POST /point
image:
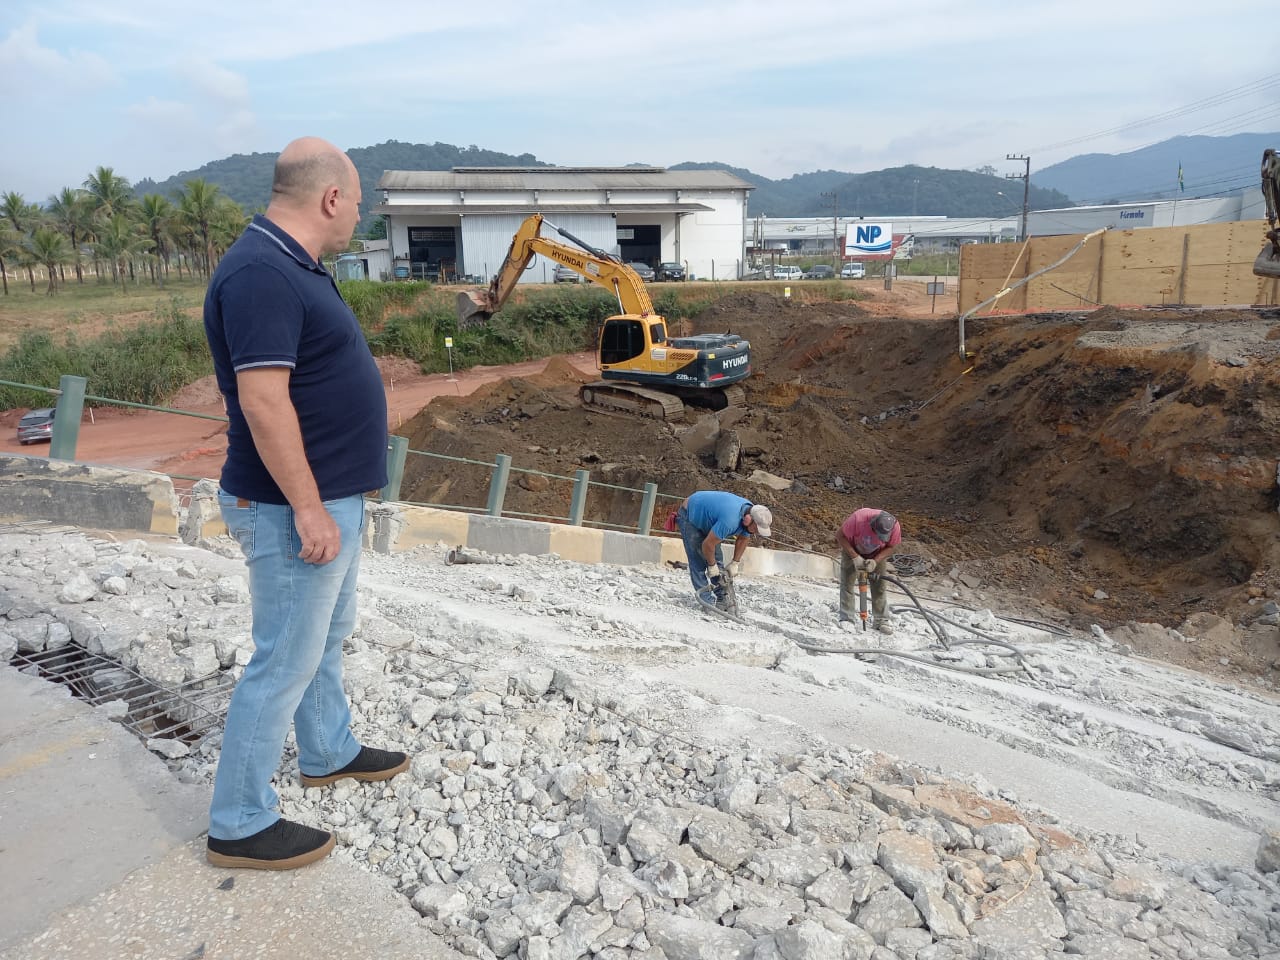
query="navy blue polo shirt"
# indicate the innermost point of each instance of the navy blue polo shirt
(270, 305)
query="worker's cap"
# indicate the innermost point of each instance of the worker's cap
(763, 517)
(882, 524)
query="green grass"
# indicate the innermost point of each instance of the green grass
(144, 363)
(146, 343)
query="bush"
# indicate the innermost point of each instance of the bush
(145, 364)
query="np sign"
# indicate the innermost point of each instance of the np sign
(868, 238)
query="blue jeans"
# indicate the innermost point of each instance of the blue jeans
(693, 538)
(302, 613)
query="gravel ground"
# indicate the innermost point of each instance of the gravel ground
(601, 769)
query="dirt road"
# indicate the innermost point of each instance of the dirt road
(194, 447)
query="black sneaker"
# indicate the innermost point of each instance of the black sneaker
(370, 765)
(282, 846)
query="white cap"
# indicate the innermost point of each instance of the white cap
(763, 517)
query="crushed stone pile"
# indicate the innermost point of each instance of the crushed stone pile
(557, 808)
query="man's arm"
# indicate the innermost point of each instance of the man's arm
(845, 544)
(273, 422)
(709, 545)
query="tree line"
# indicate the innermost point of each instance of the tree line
(124, 236)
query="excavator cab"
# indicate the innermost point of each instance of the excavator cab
(1268, 262)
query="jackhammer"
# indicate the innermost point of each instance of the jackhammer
(864, 599)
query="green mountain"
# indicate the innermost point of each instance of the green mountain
(896, 192)
(246, 178)
(1211, 167)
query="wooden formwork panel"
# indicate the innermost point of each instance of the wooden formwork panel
(1203, 265)
(1072, 286)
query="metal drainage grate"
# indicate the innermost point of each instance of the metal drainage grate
(188, 712)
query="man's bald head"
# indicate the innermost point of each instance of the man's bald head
(306, 167)
(315, 196)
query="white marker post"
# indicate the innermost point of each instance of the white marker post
(448, 345)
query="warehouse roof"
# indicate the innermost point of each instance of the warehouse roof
(561, 178)
(493, 209)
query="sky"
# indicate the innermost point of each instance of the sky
(153, 88)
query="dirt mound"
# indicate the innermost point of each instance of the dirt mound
(1118, 465)
(197, 395)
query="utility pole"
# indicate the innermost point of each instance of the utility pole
(1025, 177)
(836, 253)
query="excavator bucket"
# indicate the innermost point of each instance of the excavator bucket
(1268, 262)
(473, 307)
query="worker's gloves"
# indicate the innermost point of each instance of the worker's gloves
(733, 567)
(864, 563)
(713, 571)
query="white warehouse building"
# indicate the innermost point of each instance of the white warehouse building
(458, 224)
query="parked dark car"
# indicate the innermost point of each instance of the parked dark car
(36, 425)
(670, 271)
(643, 271)
(820, 271)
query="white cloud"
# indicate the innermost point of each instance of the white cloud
(745, 82)
(32, 69)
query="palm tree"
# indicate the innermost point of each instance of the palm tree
(50, 248)
(109, 193)
(11, 247)
(71, 213)
(118, 242)
(24, 218)
(197, 201)
(157, 213)
(229, 221)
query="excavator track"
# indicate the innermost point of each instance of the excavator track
(630, 400)
(734, 395)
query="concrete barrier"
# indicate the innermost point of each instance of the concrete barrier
(103, 498)
(109, 498)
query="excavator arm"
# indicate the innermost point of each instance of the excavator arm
(1268, 262)
(594, 264)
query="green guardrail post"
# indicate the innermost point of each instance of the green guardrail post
(578, 506)
(397, 449)
(498, 484)
(66, 422)
(646, 508)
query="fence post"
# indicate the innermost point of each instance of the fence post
(397, 449)
(578, 505)
(646, 508)
(498, 484)
(66, 421)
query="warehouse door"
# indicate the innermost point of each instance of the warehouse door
(642, 243)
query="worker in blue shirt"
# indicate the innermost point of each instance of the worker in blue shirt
(708, 518)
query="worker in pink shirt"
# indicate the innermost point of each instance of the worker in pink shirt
(867, 539)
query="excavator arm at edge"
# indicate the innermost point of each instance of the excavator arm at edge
(1268, 262)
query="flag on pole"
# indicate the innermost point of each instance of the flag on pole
(1181, 186)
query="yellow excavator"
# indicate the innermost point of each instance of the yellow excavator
(1268, 262)
(642, 371)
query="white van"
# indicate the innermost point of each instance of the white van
(852, 271)
(787, 273)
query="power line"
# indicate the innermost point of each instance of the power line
(1253, 88)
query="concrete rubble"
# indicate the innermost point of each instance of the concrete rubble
(571, 796)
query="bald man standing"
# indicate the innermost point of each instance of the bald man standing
(307, 440)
